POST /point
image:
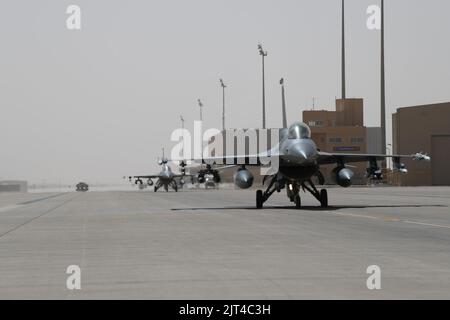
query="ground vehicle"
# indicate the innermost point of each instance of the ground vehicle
(82, 186)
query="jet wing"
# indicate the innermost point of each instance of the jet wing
(330, 158)
(228, 161)
(183, 175)
(143, 177)
(256, 160)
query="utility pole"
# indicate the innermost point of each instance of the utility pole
(223, 104)
(263, 55)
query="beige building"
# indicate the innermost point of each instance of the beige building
(423, 128)
(343, 131)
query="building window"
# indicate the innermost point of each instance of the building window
(357, 140)
(316, 123)
(335, 140)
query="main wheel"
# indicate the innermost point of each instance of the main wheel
(155, 189)
(298, 201)
(323, 198)
(259, 199)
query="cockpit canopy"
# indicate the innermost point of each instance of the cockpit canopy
(299, 130)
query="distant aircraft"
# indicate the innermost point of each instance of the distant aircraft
(166, 178)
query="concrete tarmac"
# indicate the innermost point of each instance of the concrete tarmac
(209, 244)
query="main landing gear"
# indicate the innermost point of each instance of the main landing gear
(321, 196)
(274, 185)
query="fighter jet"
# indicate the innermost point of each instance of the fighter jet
(299, 161)
(166, 178)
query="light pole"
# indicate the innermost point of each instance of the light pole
(389, 164)
(200, 104)
(263, 55)
(343, 51)
(223, 104)
(283, 103)
(182, 136)
(383, 84)
(389, 152)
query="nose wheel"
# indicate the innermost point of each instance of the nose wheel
(259, 199)
(323, 198)
(298, 201)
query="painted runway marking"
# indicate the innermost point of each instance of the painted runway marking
(10, 207)
(21, 204)
(390, 219)
(427, 224)
(36, 217)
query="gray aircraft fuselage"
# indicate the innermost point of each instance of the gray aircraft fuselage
(166, 178)
(299, 160)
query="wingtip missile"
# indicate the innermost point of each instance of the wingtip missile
(421, 157)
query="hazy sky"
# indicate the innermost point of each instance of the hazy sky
(99, 103)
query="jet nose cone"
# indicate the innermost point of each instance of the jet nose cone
(302, 153)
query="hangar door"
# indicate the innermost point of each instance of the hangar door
(440, 160)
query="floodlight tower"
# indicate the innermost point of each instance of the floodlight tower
(182, 135)
(283, 103)
(343, 52)
(263, 55)
(200, 104)
(383, 85)
(222, 84)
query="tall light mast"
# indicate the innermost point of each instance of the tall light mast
(222, 84)
(263, 55)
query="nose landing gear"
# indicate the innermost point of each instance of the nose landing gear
(275, 185)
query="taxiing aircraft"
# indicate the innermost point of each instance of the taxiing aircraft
(166, 178)
(299, 160)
